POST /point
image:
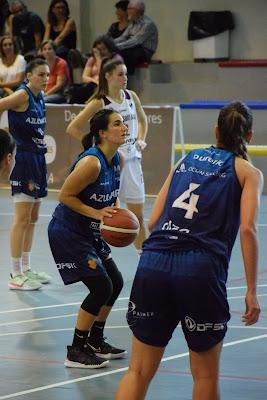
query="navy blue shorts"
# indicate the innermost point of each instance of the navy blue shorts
(29, 174)
(76, 257)
(187, 287)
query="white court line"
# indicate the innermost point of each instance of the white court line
(241, 297)
(114, 327)
(58, 330)
(73, 315)
(53, 317)
(51, 306)
(90, 377)
(244, 287)
(119, 299)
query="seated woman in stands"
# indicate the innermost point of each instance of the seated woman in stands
(59, 77)
(117, 28)
(61, 28)
(12, 66)
(103, 48)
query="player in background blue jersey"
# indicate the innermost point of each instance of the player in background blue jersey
(182, 273)
(89, 193)
(7, 154)
(112, 94)
(26, 117)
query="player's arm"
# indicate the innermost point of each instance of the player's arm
(118, 204)
(159, 204)
(142, 123)
(17, 101)
(252, 183)
(75, 127)
(85, 173)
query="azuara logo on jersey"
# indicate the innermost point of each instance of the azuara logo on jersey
(51, 149)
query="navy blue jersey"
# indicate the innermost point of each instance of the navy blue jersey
(202, 208)
(102, 193)
(28, 127)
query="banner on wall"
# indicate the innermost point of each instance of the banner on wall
(158, 157)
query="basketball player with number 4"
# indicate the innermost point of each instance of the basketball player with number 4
(182, 272)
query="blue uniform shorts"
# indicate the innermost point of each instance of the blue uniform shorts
(172, 287)
(76, 256)
(29, 174)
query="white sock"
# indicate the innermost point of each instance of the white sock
(15, 266)
(26, 261)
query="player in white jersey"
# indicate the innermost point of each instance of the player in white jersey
(112, 94)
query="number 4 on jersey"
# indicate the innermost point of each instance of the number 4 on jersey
(190, 207)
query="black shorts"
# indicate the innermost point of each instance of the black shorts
(187, 287)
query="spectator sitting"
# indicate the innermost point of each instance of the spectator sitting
(27, 28)
(61, 28)
(4, 18)
(117, 28)
(103, 48)
(139, 41)
(12, 66)
(59, 77)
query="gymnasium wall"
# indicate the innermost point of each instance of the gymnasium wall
(171, 16)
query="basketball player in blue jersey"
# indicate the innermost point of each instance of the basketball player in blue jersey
(26, 117)
(89, 193)
(112, 94)
(182, 273)
(7, 154)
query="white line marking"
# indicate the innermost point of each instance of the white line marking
(51, 306)
(113, 327)
(54, 317)
(241, 297)
(99, 375)
(119, 299)
(243, 287)
(246, 327)
(58, 330)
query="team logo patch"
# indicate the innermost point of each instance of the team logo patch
(190, 324)
(92, 263)
(31, 186)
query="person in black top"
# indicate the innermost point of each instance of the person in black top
(27, 28)
(61, 28)
(117, 28)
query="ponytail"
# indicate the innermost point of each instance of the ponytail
(234, 122)
(88, 141)
(107, 66)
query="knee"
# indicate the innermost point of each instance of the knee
(116, 279)
(100, 292)
(34, 219)
(142, 375)
(22, 220)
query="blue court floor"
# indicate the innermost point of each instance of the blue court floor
(37, 326)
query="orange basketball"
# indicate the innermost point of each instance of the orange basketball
(121, 229)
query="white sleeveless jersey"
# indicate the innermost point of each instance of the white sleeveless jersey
(128, 112)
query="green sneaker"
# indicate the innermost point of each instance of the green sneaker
(41, 277)
(21, 282)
